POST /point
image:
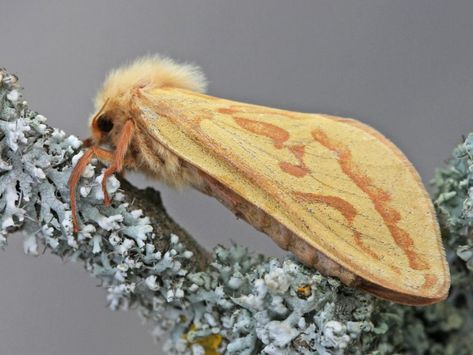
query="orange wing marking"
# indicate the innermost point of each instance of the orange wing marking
(257, 110)
(345, 208)
(300, 170)
(278, 135)
(429, 281)
(378, 196)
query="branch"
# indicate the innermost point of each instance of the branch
(226, 301)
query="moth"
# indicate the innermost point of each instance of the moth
(333, 191)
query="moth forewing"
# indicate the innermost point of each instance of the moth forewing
(337, 185)
(333, 191)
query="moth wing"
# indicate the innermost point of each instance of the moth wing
(336, 183)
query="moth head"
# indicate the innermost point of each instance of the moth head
(118, 99)
(106, 124)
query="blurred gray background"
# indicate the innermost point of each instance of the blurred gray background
(404, 67)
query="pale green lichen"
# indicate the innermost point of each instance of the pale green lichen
(237, 303)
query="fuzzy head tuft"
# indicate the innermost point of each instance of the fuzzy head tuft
(151, 72)
(115, 100)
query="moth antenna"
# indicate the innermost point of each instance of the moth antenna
(99, 112)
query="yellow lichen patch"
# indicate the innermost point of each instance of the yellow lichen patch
(210, 343)
(304, 291)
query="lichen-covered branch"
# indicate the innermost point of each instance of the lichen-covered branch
(229, 301)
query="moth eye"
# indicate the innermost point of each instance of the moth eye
(104, 123)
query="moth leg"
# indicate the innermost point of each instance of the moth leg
(103, 154)
(118, 157)
(77, 173)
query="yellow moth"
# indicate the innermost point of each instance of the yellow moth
(332, 190)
